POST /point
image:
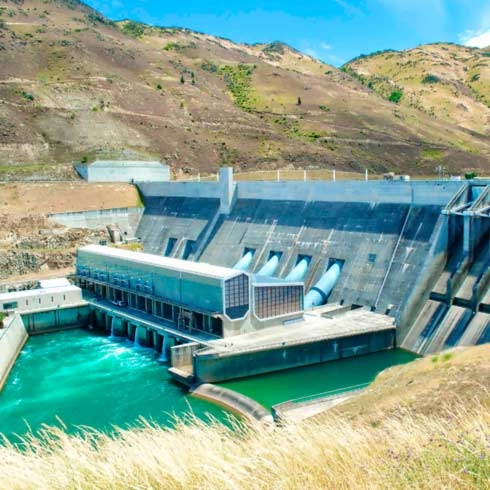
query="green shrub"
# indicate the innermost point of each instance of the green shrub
(396, 96)
(209, 66)
(469, 175)
(134, 29)
(431, 79)
(27, 96)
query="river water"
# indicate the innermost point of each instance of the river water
(78, 378)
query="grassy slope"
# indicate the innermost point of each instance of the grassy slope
(100, 90)
(446, 447)
(449, 82)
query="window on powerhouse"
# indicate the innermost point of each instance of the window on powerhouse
(236, 292)
(271, 301)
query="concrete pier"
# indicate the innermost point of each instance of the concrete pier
(313, 340)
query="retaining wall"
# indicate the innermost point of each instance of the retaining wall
(127, 219)
(233, 401)
(57, 319)
(12, 339)
(212, 368)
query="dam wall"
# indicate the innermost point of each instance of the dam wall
(380, 231)
(172, 225)
(402, 192)
(401, 245)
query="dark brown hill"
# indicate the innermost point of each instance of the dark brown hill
(75, 86)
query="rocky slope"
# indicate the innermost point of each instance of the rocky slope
(31, 243)
(75, 86)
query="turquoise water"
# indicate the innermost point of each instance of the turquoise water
(336, 376)
(84, 379)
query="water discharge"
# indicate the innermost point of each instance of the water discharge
(88, 380)
(84, 379)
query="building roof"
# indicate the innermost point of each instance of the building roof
(258, 280)
(29, 293)
(54, 283)
(127, 163)
(198, 268)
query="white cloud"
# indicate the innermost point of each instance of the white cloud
(478, 40)
(325, 46)
(348, 8)
(311, 52)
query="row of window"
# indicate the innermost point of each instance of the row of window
(236, 292)
(272, 301)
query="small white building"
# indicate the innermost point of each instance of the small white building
(41, 299)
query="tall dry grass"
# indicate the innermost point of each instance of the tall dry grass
(406, 451)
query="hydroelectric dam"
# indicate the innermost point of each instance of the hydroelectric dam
(244, 278)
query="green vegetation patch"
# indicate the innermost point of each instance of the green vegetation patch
(396, 96)
(134, 29)
(432, 154)
(172, 46)
(238, 79)
(28, 96)
(291, 127)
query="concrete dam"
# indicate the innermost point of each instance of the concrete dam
(242, 278)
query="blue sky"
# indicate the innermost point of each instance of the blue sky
(334, 31)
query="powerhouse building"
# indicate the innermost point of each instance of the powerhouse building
(191, 295)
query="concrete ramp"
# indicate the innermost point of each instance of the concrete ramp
(485, 336)
(475, 329)
(450, 329)
(425, 325)
(236, 402)
(485, 302)
(477, 273)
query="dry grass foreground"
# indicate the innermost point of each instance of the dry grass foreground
(449, 448)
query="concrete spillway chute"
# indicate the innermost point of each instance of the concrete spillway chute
(319, 293)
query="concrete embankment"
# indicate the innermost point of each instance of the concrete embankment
(233, 401)
(12, 338)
